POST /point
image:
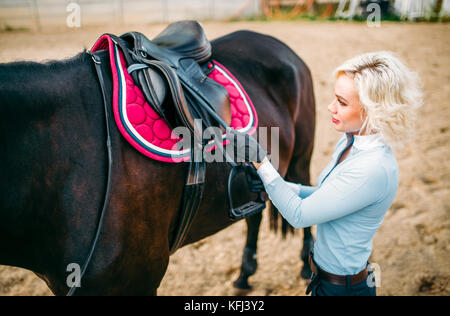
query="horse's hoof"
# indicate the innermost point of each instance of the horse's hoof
(242, 284)
(241, 292)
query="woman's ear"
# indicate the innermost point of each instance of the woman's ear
(364, 120)
(363, 113)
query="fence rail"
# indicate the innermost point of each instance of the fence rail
(38, 14)
(53, 13)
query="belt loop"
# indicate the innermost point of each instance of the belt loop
(348, 281)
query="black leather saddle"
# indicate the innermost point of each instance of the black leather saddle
(172, 72)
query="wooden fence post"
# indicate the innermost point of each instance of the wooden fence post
(119, 12)
(35, 14)
(212, 9)
(165, 11)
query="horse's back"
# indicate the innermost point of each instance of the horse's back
(253, 45)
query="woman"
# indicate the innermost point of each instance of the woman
(375, 99)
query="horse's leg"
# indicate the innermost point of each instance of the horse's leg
(249, 262)
(308, 243)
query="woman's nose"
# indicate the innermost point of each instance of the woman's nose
(332, 107)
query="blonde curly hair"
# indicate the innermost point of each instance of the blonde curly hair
(389, 94)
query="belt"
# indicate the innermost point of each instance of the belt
(337, 279)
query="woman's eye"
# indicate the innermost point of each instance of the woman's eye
(341, 103)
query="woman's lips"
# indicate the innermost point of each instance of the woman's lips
(334, 120)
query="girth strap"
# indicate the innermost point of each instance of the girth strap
(192, 195)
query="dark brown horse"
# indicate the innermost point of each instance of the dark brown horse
(54, 162)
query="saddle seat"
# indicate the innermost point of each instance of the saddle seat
(186, 38)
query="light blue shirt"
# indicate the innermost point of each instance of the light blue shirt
(348, 205)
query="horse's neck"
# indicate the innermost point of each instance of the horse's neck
(31, 91)
(41, 108)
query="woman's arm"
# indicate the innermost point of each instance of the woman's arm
(300, 190)
(349, 192)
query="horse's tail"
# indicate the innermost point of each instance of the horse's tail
(304, 118)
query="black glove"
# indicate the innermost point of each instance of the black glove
(246, 148)
(255, 183)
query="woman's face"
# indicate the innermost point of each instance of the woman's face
(345, 109)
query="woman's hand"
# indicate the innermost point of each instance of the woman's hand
(258, 164)
(246, 148)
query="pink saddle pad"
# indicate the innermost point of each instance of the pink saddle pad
(145, 130)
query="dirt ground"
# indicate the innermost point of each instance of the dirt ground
(411, 248)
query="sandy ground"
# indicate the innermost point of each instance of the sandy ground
(411, 247)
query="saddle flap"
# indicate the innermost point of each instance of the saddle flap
(157, 84)
(154, 89)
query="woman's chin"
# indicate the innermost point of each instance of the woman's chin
(338, 129)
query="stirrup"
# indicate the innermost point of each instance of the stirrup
(247, 209)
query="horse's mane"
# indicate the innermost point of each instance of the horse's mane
(81, 57)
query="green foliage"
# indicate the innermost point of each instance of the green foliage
(318, 13)
(5, 27)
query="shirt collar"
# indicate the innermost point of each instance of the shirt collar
(365, 142)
